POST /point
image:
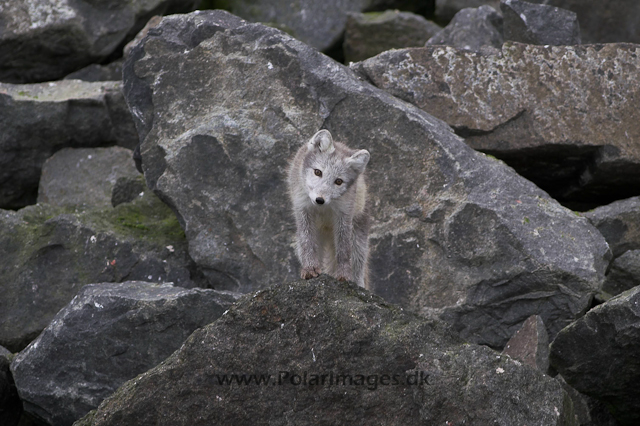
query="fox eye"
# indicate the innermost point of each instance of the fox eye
(318, 172)
(339, 181)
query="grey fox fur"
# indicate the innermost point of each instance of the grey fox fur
(329, 196)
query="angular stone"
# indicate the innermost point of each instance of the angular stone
(472, 29)
(454, 231)
(623, 274)
(530, 344)
(39, 119)
(108, 334)
(289, 331)
(48, 253)
(47, 39)
(84, 177)
(604, 21)
(447, 9)
(368, 34)
(598, 355)
(95, 72)
(127, 189)
(529, 23)
(559, 115)
(619, 223)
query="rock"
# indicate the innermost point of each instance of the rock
(623, 274)
(152, 23)
(286, 336)
(588, 411)
(127, 189)
(48, 39)
(95, 72)
(10, 404)
(368, 34)
(619, 223)
(558, 115)
(530, 23)
(604, 21)
(530, 344)
(39, 119)
(107, 335)
(454, 232)
(472, 29)
(598, 355)
(318, 24)
(48, 253)
(447, 9)
(84, 177)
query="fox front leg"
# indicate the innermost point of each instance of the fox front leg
(344, 247)
(307, 246)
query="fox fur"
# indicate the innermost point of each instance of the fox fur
(328, 193)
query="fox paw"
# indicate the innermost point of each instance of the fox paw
(309, 272)
(341, 278)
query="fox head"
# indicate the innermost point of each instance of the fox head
(331, 169)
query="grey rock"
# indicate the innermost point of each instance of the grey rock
(108, 334)
(472, 29)
(84, 177)
(530, 23)
(447, 9)
(623, 274)
(559, 115)
(588, 411)
(48, 253)
(454, 232)
(604, 21)
(598, 355)
(127, 189)
(318, 24)
(40, 119)
(530, 344)
(46, 40)
(152, 23)
(292, 328)
(368, 34)
(619, 223)
(95, 72)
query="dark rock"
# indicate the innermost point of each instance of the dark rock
(10, 404)
(604, 21)
(454, 232)
(559, 115)
(368, 34)
(530, 23)
(530, 344)
(40, 119)
(107, 335)
(588, 411)
(290, 332)
(127, 189)
(447, 9)
(46, 40)
(85, 177)
(619, 223)
(152, 23)
(598, 355)
(95, 72)
(623, 274)
(48, 253)
(472, 29)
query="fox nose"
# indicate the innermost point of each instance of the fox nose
(320, 200)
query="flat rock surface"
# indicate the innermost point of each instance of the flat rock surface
(454, 231)
(108, 334)
(290, 335)
(560, 115)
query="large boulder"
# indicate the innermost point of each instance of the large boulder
(559, 115)
(598, 355)
(454, 231)
(472, 29)
(446, 9)
(108, 334)
(604, 21)
(368, 34)
(47, 39)
(530, 23)
(84, 177)
(40, 119)
(48, 253)
(273, 358)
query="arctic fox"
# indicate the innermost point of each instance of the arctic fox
(329, 196)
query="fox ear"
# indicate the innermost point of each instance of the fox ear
(321, 141)
(359, 160)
